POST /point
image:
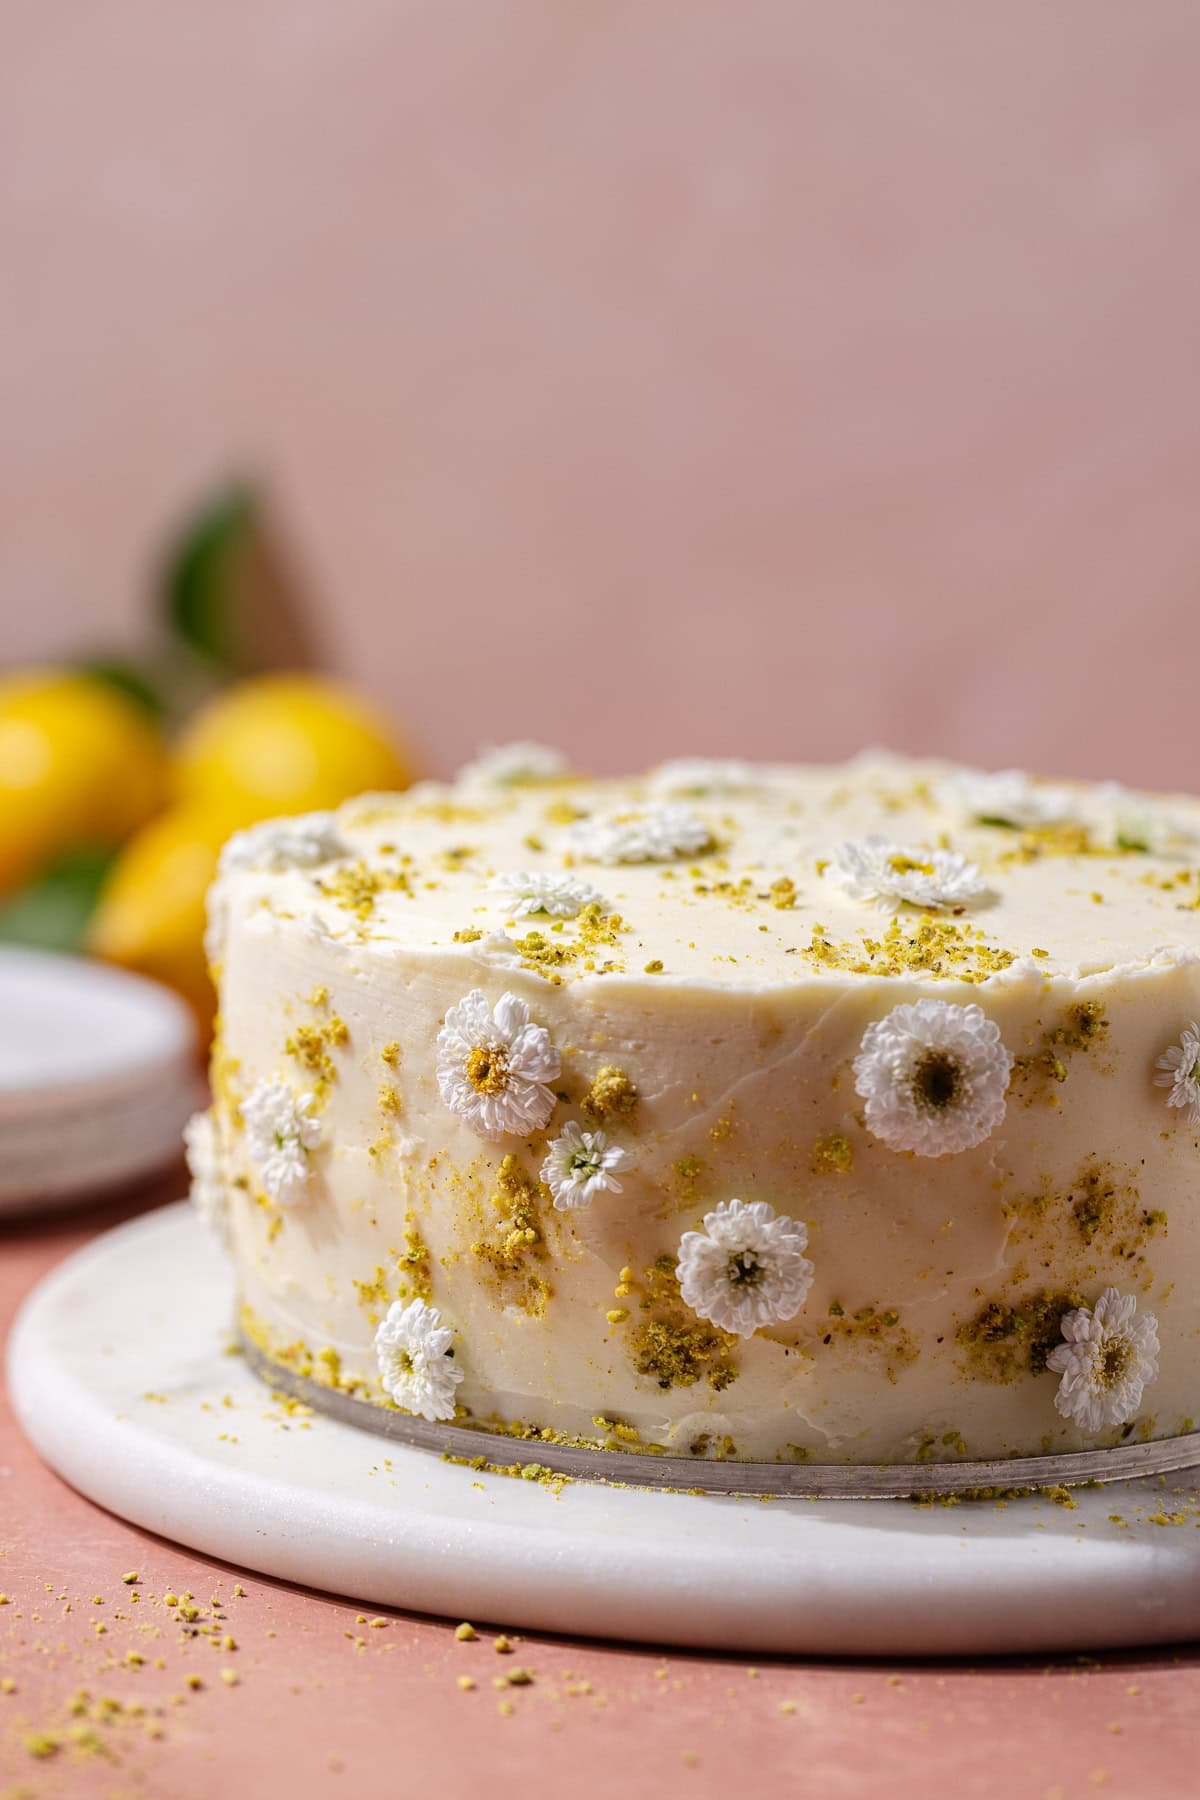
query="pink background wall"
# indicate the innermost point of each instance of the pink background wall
(756, 377)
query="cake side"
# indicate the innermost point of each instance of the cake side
(724, 1020)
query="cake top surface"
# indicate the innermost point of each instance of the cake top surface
(742, 875)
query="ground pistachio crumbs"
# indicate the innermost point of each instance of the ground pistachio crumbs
(1004, 1343)
(873, 1330)
(673, 1347)
(935, 947)
(1102, 1206)
(612, 1095)
(593, 929)
(516, 1240)
(1080, 1028)
(311, 1044)
(356, 887)
(831, 1155)
(415, 1266)
(390, 1054)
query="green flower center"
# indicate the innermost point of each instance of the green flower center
(937, 1081)
(744, 1269)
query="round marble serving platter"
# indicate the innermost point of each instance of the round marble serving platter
(97, 1076)
(122, 1375)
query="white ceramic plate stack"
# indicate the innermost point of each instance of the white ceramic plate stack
(97, 1077)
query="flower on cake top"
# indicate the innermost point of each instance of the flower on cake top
(1132, 821)
(892, 875)
(933, 1076)
(746, 1268)
(416, 1362)
(1179, 1070)
(513, 765)
(703, 775)
(493, 1067)
(299, 843)
(647, 834)
(1108, 1356)
(557, 896)
(581, 1164)
(208, 1192)
(1008, 797)
(281, 1129)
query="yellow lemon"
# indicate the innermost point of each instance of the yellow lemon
(150, 915)
(80, 764)
(286, 744)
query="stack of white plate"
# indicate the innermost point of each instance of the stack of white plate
(97, 1078)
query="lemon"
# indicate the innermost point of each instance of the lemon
(150, 915)
(80, 764)
(285, 744)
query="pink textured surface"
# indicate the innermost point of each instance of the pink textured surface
(327, 1701)
(760, 378)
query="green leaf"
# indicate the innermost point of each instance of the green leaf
(128, 678)
(200, 577)
(52, 912)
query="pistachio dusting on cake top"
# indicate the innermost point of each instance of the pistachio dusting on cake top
(736, 1110)
(749, 875)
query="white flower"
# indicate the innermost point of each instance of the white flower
(492, 1067)
(581, 1164)
(513, 765)
(558, 896)
(1179, 1070)
(651, 834)
(703, 775)
(1108, 1358)
(933, 1076)
(208, 1193)
(416, 1363)
(281, 1129)
(1009, 797)
(299, 843)
(746, 1268)
(891, 874)
(1132, 821)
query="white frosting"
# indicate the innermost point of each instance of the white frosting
(735, 986)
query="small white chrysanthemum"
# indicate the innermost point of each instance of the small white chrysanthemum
(1108, 1357)
(1132, 821)
(934, 1077)
(650, 834)
(581, 1164)
(513, 765)
(699, 775)
(1179, 1070)
(281, 1130)
(1008, 797)
(300, 843)
(893, 874)
(557, 896)
(492, 1067)
(746, 1268)
(208, 1193)
(416, 1361)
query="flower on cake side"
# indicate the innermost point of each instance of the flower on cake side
(746, 1268)
(493, 1066)
(581, 1164)
(701, 775)
(416, 1361)
(1133, 821)
(934, 1077)
(513, 765)
(557, 896)
(1108, 1356)
(300, 843)
(893, 875)
(648, 834)
(1179, 1070)
(207, 1193)
(1008, 797)
(281, 1130)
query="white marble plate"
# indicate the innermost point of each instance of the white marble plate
(97, 1076)
(120, 1374)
